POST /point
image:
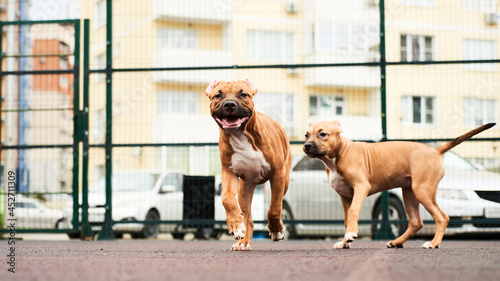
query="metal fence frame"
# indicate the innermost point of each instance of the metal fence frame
(81, 129)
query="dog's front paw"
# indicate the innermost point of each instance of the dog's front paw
(241, 246)
(428, 245)
(391, 244)
(238, 232)
(277, 236)
(350, 236)
(341, 245)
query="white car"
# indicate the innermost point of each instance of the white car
(31, 213)
(464, 193)
(153, 195)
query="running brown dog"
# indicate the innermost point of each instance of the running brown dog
(357, 169)
(253, 149)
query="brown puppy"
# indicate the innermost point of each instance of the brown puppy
(253, 149)
(356, 170)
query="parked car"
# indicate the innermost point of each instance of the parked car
(153, 195)
(31, 213)
(465, 192)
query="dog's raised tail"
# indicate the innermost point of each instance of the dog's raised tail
(444, 148)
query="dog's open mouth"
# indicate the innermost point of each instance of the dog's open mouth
(231, 123)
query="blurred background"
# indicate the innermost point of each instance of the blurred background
(127, 107)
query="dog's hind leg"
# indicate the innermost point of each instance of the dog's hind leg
(426, 194)
(415, 222)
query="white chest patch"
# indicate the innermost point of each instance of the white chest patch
(337, 181)
(247, 162)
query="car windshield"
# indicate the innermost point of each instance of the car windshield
(309, 164)
(454, 162)
(129, 182)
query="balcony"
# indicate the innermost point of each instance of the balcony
(353, 76)
(200, 11)
(174, 57)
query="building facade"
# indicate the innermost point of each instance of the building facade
(423, 101)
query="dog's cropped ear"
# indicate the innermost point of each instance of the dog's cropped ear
(337, 126)
(250, 84)
(211, 87)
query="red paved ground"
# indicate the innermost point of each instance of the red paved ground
(212, 260)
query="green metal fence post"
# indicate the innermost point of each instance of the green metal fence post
(76, 133)
(2, 199)
(107, 230)
(385, 231)
(86, 233)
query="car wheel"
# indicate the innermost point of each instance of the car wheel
(206, 233)
(286, 214)
(74, 235)
(60, 224)
(396, 212)
(150, 230)
(178, 235)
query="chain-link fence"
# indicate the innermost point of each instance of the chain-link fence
(427, 72)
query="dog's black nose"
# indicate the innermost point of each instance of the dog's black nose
(229, 105)
(308, 146)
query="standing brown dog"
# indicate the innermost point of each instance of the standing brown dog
(253, 149)
(356, 170)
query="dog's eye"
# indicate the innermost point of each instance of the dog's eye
(307, 136)
(218, 95)
(244, 95)
(323, 134)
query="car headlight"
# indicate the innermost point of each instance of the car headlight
(451, 194)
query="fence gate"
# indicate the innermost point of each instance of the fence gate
(42, 127)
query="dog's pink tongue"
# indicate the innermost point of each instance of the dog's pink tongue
(231, 123)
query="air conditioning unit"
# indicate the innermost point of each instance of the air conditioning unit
(291, 6)
(293, 71)
(373, 2)
(491, 18)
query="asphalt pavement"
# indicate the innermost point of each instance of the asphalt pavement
(212, 260)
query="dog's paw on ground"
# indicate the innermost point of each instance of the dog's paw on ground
(428, 245)
(341, 245)
(392, 245)
(241, 246)
(277, 236)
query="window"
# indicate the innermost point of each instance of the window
(280, 107)
(99, 14)
(177, 38)
(173, 180)
(487, 6)
(326, 105)
(63, 47)
(63, 63)
(177, 102)
(473, 49)
(417, 48)
(99, 125)
(479, 111)
(329, 36)
(418, 110)
(271, 46)
(63, 81)
(309, 164)
(99, 63)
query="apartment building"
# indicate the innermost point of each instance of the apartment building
(443, 101)
(171, 106)
(51, 103)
